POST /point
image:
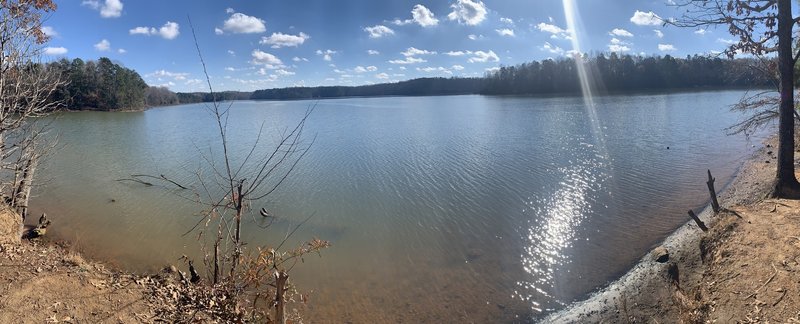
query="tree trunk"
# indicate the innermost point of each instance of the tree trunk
(786, 185)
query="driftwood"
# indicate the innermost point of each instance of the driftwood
(712, 193)
(698, 221)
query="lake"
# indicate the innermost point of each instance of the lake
(486, 209)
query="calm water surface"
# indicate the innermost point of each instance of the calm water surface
(439, 208)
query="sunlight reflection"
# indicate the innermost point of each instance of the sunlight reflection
(546, 253)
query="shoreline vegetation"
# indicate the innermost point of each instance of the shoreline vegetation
(104, 85)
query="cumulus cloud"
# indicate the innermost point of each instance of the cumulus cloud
(378, 31)
(373, 52)
(412, 51)
(456, 53)
(170, 30)
(620, 32)
(505, 32)
(474, 37)
(49, 31)
(260, 57)
(108, 9)
(423, 16)
(555, 31)
(659, 33)
(299, 59)
(457, 67)
(552, 49)
(55, 51)
(382, 76)
(178, 76)
(649, 18)
(468, 12)
(239, 23)
(726, 41)
(121, 51)
(103, 45)
(507, 21)
(701, 32)
(666, 47)
(278, 40)
(327, 55)
(482, 57)
(431, 69)
(408, 60)
(618, 48)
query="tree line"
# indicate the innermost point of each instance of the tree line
(105, 85)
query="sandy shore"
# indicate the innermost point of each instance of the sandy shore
(741, 270)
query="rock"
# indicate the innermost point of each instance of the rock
(660, 254)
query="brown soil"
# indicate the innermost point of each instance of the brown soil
(745, 269)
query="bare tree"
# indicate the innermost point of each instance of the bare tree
(26, 93)
(763, 28)
(236, 276)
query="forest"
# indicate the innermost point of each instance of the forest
(105, 85)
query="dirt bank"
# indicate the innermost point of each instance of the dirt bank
(744, 269)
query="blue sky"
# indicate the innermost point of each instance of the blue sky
(251, 45)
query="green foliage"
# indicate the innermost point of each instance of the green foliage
(99, 85)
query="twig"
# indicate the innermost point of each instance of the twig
(765, 284)
(779, 298)
(135, 180)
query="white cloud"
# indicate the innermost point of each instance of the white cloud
(229, 11)
(265, 58)
(618, 48)
(457, 67)
(550, 48)
(373, 52)
(327, 55)
(423, 16)
(557, 32)
(167, 74)
(431, 69)
(231, 52)
(278, 40)
(412, 51)
(408, 60)
(109, 8)
(620, 32)
(468, 12)
(481, 57)
(456, 53)
(507, 20)
(701, 31)
(505, 32)
(382, 76)
(239, 23)
(55, 51)
(122, 51)
(659, 33)
(372, 68)
(218, 31)
(170, 30)
(726, 41)
(492, 69)
(474, 37)
(378, 31)
(646, 18)
(360, 69)
(402, 68)
(299, 59)
(666, 47)
(284, 72)
(49, 31)
(103, 45)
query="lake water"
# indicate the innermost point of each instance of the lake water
(468, 208)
